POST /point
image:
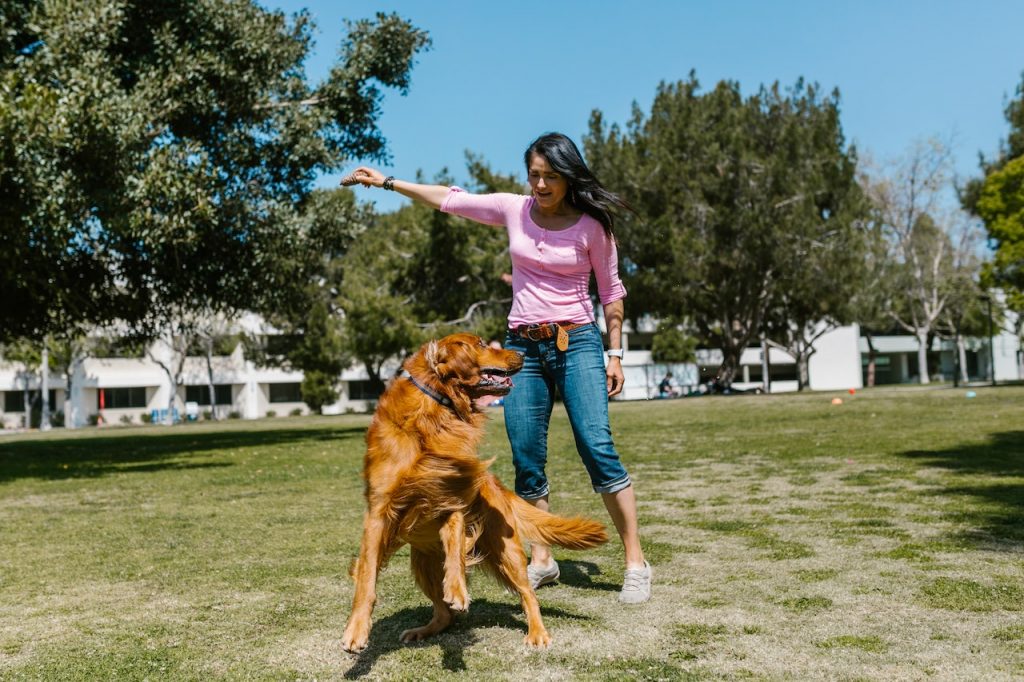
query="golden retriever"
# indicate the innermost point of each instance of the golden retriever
(426, 486)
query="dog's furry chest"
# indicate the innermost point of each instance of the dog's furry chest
(436, 486)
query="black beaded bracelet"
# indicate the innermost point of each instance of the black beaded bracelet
(389, 183)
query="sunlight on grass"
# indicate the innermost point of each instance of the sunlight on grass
(778, 527)
(959, 594)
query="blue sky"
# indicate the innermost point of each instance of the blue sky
(499, 73)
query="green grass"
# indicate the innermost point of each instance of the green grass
(871, 644)
(776, 525)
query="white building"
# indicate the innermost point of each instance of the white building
(137, 390)
(835, 366)
(129, 390)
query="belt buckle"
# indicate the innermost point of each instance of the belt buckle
(533, 332)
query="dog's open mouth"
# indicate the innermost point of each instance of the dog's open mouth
(495, 380)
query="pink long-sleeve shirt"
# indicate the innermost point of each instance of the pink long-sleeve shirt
(550, 268)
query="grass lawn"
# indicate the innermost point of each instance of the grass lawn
(791, 538)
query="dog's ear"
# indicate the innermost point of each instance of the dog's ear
(430, 354)
(439, 356)
(451, 360)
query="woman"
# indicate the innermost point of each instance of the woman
(558, 235)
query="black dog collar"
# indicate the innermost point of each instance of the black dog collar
(444, 400)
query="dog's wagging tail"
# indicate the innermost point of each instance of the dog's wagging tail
(426, 487)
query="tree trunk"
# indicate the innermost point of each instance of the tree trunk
(44, 391)
(922, 358)
(727, 372)
(27, 398)
(872, 361)
(961, 350)
(374, 374)
(209, 376)
(170, 401)
(69, 422)
(766, 365)
(803, 373)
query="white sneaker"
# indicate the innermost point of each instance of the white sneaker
(636, 588)
(542, 576)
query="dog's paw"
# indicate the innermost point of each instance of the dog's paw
(415, 634)
(355, 638)
(458, 600)
(538, 640)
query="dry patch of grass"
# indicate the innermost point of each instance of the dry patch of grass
(790, 539)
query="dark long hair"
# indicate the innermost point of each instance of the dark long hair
(585, 193)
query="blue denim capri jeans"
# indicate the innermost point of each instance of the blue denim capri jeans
(579, 376)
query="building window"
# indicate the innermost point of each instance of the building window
(363, 390)
(782, 372)
(286, 393)
(120, 398)
(776, 372)
(14, 401)
(201, 394)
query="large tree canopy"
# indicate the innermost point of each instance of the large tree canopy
(1001, 206)
(998, 199)
(747, 210)
(157, 155)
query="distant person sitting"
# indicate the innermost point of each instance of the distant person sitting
(665, 388)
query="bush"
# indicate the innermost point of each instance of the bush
(297, 412)
(126, 419)
(672, 344)
(57, 418)
(94, 419)
(319, 389)
(271, 413)
(207, 415)
(234, 414)
(146, 418)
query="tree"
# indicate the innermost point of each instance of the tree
(963, 317)
(456, 280)
(66, 354)
(419, 273)
(734, 198)
(1001, 206)
(28, 356)
(671, 344)
(170, 351)
(157, 155)
(320, 354)
(998, 199)
(213, 337)
(379, 320)
(930, 243)
(871, 303)
(816, 292)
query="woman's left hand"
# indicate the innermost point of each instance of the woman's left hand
(616, 378)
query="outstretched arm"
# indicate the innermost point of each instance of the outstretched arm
(431, 195)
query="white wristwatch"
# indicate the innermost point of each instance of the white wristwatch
(615, 353)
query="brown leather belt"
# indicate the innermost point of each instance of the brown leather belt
(546, 330)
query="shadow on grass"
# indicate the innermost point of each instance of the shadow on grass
(454, 641)
(998, 513)
(581, 574)
(62, 458)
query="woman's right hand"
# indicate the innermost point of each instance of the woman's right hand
(431, 195)
(365, 176)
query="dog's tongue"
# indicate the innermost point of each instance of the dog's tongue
(499, 379)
